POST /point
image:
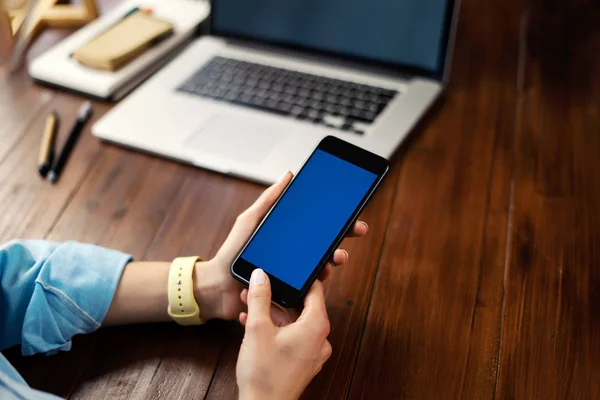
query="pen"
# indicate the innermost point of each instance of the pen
(47, 146)
(85, 112)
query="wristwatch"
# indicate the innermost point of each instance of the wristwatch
(183, 307)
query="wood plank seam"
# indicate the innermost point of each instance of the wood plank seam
(74, 192)
(162, 225)
(155, 242)
(214, 373)
(364, 327)
(85, 363)
(484, 228)
(518, 113)
(72, 195)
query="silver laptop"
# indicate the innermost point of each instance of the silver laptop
(274, 77)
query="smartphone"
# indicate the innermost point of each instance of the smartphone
(298, 236)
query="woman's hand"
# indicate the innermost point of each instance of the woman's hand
(141, 295)
(279, 362)
(217, 292)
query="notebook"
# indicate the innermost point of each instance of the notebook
(123, 42)
(57, 67)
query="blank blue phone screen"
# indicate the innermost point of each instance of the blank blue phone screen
(306, 221)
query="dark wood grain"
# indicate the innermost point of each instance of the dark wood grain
(434, 319)
(121, 205)
(479, 276)
(347, 298)
(31, 205)
(180, 368)
(551, 325)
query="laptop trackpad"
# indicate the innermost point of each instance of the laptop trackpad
(227, 136)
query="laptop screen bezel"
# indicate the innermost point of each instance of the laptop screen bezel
(437, 73)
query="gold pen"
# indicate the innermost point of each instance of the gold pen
(46, 157)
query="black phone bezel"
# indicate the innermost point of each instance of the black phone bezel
(282, 293)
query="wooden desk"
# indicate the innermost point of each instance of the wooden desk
(480, 277)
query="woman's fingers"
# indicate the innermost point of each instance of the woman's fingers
(340, 256)
(279, 316)
(359, 229)
(243, 318)
(327, 272)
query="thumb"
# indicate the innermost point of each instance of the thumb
(259, 297)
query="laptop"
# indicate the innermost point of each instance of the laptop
(253, 98)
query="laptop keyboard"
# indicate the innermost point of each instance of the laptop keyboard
(334, 103)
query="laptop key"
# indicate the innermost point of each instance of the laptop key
(360, 105)
(243, 98)
(261, 92)
(231, 95)
(344, 111)
(278, 87)
(372, 107)
(312, 114)
(317, 105)
(330, 108)
(290, 89)
(362, 116)
(332, 99)
(302, 116)
(288, 98)
(304, 93)
(283, 107)
(271, 103)
(296, 110)
(284, 91)
(249, 90)
(317, 95)
(345, 101)
(274, 95)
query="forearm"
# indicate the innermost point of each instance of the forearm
(142, 294)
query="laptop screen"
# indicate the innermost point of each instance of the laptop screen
(401, 33)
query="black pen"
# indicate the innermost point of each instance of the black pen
(46, 157)
(85, 112)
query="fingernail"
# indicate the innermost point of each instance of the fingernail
(258, 277)
(365, 224)
(346, 253)
(283, 176)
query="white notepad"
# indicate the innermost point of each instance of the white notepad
(57, 68)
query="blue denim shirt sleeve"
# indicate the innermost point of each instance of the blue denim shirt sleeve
(50, 292)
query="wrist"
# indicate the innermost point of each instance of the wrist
(249, 394)
(207, 291)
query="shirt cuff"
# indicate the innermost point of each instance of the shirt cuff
(72, 294)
